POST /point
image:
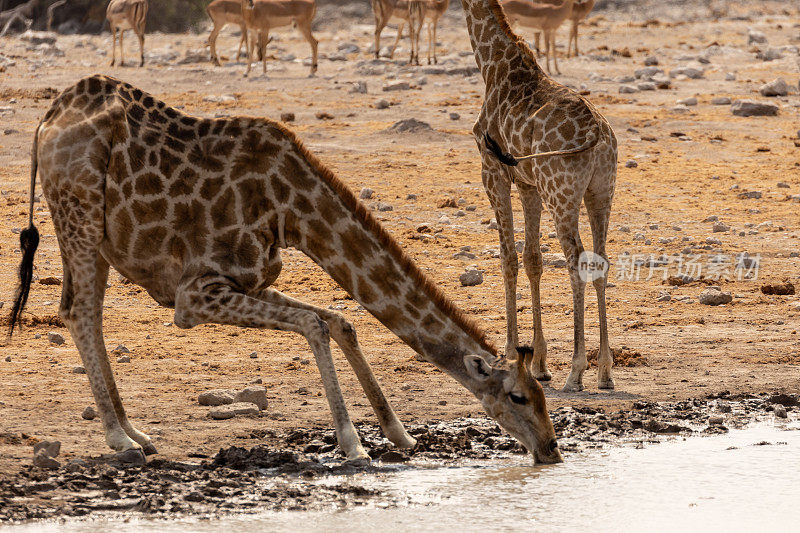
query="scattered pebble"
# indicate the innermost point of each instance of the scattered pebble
(287, 117)
(471, 277)
(224, 412)
(216, 397)
(777, 87)
(752, 108)
(366, 193)
(89, 413)
(713, 296)
(56, 338)
(255, 395)
(631, 163)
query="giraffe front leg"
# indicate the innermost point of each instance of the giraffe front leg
(344, 334)
(211, 299)
(498, 188)
(532, 259)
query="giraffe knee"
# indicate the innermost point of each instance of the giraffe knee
(341, 328)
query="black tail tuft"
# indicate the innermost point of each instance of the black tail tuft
(504, 157)
(28, 241)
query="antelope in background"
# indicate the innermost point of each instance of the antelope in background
(386, 11)
(543, 17)
(222, 13)
(123, 15)
(580, 10)
(263, 15)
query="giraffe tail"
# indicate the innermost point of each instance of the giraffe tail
(28, 241)
(512, 161)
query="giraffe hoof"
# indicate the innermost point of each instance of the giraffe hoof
(134, 456)
(606, 384)
(149, 449)
(572, 387)
(359, 461)
(543, 376)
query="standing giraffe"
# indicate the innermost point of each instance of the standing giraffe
(196, 211)
(574, 157)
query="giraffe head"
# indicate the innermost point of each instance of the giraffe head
(515, 399)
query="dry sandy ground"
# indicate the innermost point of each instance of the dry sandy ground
(687, 349)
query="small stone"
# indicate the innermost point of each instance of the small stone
(779, 410)
(646, 86)
(651, 61)
(89, 413)
(712, 218)
(720, 227)
(384, 207)
(253, 355)
(225, 412)
(631, 163)
(756, 37)
(50, 447)
(55, 338)
(628, 89)
(124, 359)
(411, 196)
(287, 117)
(78, 370)
(689, 72)
(664, 297)
(777, 87)
(752, 108)
(254, 395)
(382, 104)
(454, 116)
(783, 185)
(730, 76)
(397, 86)
(712, 296)
(691, 101)
(359, 87)
(216, 397)
(749, 195)
(410, 125)
(121, 348)
(554, 260)
(50, 281)
(720, 100)
(471, 277)
(366, 193)
(770, 54)
(716, 420)
(42, 460)
(8, 359)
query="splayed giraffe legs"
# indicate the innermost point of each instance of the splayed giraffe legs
(210, 298)
(532, 259)
(344, 334)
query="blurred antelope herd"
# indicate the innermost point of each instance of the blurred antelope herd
(257, 18)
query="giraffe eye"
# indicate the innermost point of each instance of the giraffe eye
(518, 399)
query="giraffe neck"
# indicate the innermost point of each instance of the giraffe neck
(355, 250)
(494, 42)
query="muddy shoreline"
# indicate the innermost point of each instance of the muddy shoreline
(303, 470)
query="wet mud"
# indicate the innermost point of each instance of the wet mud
(303, 470)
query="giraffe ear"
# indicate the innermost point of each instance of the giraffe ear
(477, 367)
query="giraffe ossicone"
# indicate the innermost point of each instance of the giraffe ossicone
(196, 211)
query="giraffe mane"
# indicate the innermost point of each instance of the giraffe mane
(500, 15)
(406, 264)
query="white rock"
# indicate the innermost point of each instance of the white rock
(254, 395)
(224, 412)
(216, 397)
(777, 87)
(779, 410)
